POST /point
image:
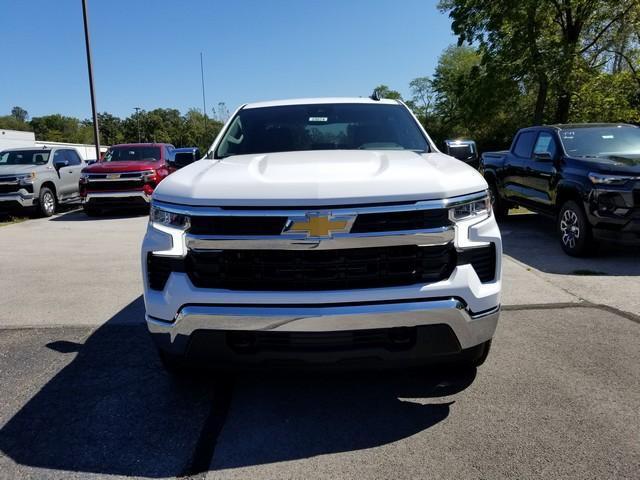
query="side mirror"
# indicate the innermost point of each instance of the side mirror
(58, 164)
(543, 157)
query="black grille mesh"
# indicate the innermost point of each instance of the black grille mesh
(299, 270)
(483, 260)
(320, 270)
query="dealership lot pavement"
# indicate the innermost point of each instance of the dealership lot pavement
(84, 396)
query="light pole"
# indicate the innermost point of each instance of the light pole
(137, 109)
(96, 130)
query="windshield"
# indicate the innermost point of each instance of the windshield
(343, 126)
(128, 154)
(601, 141)
(25, 157)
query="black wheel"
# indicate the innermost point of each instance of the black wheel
(91, 211)
(46, 202)
(498, 205)
(574, 231)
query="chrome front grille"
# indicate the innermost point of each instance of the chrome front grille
(327, 248)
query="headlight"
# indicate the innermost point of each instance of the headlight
(476, 209)
(84, 177)
(149, 176)
(169, 219)
(26, 178)
(605, 179)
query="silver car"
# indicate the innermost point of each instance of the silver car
(40, 178)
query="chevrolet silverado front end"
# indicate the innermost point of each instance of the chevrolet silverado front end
(322, 231)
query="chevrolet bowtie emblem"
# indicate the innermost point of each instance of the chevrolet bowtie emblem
(318, 225)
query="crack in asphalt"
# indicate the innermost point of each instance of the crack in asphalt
(565, 305)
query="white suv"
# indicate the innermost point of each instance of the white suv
(322, 231)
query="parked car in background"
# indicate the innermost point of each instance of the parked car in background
(587, 176)
(464, 150)
(324, 231)
(125, 177)
(40, 178)
(185, 156)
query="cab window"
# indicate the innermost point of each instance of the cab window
(524, 144)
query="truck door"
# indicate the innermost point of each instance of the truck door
(541, 170)
(514, 186)
(75, 167)
(67, 178)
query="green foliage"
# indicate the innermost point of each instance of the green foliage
(58, 128)
(20, 114)
(385, 92)
(159, 125)
(10, 122)
(546, 44)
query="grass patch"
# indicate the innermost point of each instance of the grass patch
(10, 220)
(519, 211)
(588, 272)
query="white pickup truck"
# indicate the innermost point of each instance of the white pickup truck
(323, 231)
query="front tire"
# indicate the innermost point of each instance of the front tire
(498, 205)
(46, 202)
(574, 230)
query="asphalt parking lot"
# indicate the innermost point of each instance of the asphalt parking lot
(83, 393)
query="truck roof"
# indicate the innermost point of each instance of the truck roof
(575, 126)
(140, 145)
(313, 101)
(20, 149)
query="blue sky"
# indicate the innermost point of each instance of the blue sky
(147, 53)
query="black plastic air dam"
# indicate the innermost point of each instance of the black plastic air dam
(429, 344)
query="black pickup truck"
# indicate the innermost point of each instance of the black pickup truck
(587, 176)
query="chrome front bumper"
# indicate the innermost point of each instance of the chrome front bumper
(24, 200)
(131, 194)
(470, 329)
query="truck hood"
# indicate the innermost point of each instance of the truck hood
(110, 167)
(15, 169)
(329, 177)
(616, 164)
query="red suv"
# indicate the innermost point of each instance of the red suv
(125, 177)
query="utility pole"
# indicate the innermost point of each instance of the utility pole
(204, 101)
(96, 130)
(137, 109)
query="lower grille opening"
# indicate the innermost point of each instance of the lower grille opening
(482, 259)
(393, 339)
(159, 268)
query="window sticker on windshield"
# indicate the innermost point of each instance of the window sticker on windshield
(608, 137)
(318, 119)
(568, 135)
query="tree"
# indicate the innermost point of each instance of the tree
(222, 113)
(539, 41)
(111, 129)
(20, 114)
(422, 97)
(385, 92)
(10, 122)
